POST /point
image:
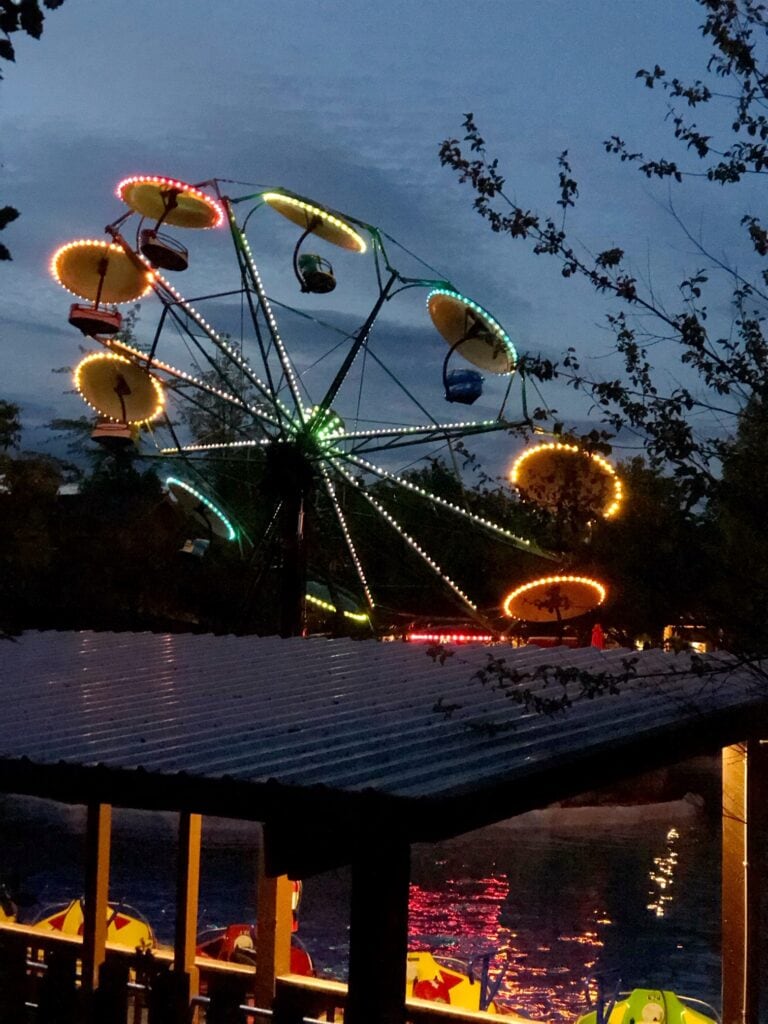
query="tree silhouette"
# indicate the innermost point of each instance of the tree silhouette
(18, 16)
(725, 367)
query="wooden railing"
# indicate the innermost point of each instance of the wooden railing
(40, 984)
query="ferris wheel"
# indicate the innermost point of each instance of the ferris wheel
(311, 438)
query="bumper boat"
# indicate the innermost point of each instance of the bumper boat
(653, 1006)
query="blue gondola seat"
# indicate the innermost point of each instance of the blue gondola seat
(464, 386)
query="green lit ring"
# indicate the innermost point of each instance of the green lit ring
(203, 501)
(492, 322)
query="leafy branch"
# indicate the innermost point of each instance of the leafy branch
(18, 16)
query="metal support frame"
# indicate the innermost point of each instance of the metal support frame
(745, 845)
(97, 839)
(187, 895)
(273, 934)
(378, 937)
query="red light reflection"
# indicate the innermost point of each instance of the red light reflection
(543, 969)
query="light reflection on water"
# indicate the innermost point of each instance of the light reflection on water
(558, 908)
(552, 907)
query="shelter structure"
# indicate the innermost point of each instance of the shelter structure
(350, 751)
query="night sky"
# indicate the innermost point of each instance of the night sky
(347, 103)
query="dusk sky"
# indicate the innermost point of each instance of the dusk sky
(347, 103)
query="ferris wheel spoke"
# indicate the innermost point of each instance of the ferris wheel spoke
(251, 271)
(230, 352)
(361, 339)
(523, 543)
(406, 391)
(383, 439)
(347, 535)
(221, 446)
(410, 541)
(142, 358)
(164, 289)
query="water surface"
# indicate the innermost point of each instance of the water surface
(553, 906)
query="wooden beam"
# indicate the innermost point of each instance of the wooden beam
(745, 820)
(98, 834)
(273, 934)
(378, 935)
(187, 896)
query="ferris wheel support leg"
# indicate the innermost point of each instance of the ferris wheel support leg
(293, 577)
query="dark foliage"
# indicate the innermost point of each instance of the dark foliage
(728, 368)
(18, 16)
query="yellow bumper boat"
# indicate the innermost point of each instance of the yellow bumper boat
(654, 1006)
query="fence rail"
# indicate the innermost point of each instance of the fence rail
(40, 983)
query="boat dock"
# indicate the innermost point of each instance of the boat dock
(348, 752)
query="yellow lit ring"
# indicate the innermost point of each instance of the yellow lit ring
(545, 580)
(111, 249)
(618, 490)
(101, 356)
(343, 235)
(215, 212)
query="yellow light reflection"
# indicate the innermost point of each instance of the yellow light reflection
(662, 876)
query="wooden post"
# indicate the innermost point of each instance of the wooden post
(187, 895)
(745, 819)
(378, 935)
(273, 934)
(97, 838)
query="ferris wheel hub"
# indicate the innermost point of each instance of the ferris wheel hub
(289, 467)
(323, 424)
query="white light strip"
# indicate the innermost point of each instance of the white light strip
(211, 332)
(282, 352)
(523, 542)
(433, 565)
(422, 429)
(347, 535)
(219, 446)
(158, 364)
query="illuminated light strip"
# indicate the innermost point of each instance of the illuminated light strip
(544, 580)
(328, 607)
(172, 480)
(325, 425)
(212, 333)
(282, 351)
(318, 211)
(100, 244)
(618, 489)
(181, 186)
(160, 397)
(423, 429)
(479, 520)
(433, 565)
(451, 638)
(492, 322)
(347, 536)
(219, 446)
(114, 343)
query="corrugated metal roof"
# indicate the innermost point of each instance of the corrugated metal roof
(273, 722)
